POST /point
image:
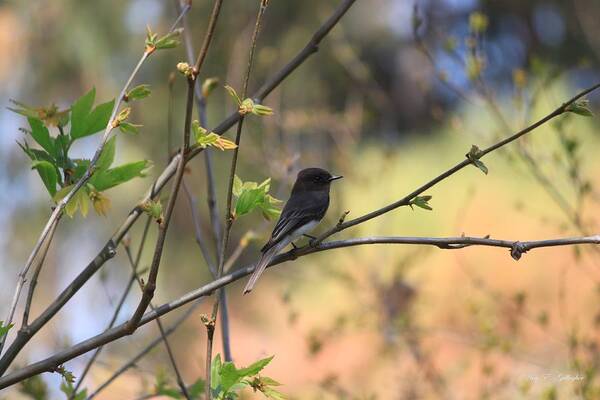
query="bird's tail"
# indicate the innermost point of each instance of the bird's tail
(265, 259)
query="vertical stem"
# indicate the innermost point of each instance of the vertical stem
(161, 329)
(229, 215)
(34, 278)
(58, 209)
(164, 225)
(213, 207)
(124, 295)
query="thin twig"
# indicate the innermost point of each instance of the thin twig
(516, 247)
(213, 208)
(108, 251)
(161, 328)
(34, 277)
(406, 200)
(134, 360)
(120, 304)
(58, 209)
(229, 216)
(149, 288)
(210, 179)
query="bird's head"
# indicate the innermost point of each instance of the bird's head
(314, 179)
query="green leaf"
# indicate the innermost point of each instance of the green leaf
(237, 186)
(269, 207)
(203, 138)
(67, 387)
(229, 376)
(256, 367)
(271, 393)
(479, 164)
(139, 92)
(98, 119)
(35, 388)
(35, 154)
(215, 372)
(129, 128)
(265, 185)
(154, 209)
(269, 381)
(197, 388)
(580, 107)
(150, 37)
(251, 195)
(473, 155)
(234, 95)
(84, 202)
(169, 392)
(41, 135)
(107, 156)
(80, 201)
(169, 41)
(81, 165)
(261, 110)
(248, 201)
(103, 180)
(209, 85)
(79, 112)
(24, 109)
(50, 116)
(4, 328)
(422, 202)
(47, 172)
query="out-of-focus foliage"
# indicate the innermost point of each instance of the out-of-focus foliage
(386, 109)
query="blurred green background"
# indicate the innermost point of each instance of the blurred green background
(387, 110)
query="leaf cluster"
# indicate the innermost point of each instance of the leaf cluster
(58, 170)
(162, 387)
(203, 138)
(251, 196)
(227, 380)
(248, 105)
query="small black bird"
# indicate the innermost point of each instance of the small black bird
(303, 211)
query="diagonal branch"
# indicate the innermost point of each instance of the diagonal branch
(134, 360)
(115, 315)
(405, 201)
(163, 226)
(58, 209)
(229, 218)
(109, 251)
(213, 208)
(517, 248)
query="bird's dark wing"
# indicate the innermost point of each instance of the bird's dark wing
(298, 211)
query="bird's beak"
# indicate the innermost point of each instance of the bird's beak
(335, 177)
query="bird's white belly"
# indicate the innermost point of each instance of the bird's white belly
(298, 233)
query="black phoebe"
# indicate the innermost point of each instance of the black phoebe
(303, 211)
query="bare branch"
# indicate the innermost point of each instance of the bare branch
(58, 209)
(210, 325)
(108, 251)
(36, 274)
(406, 200)
(213, 208)
(517, 248)
(149, 288)
(134, 360)
(124, 295)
